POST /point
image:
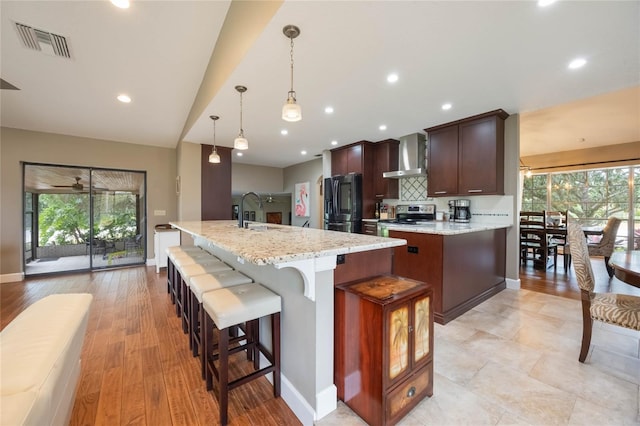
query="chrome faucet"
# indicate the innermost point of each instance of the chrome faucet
(241, 213)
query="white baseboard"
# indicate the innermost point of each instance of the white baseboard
(151, 261)
(327, 399)
(11, 278)
(513, 284)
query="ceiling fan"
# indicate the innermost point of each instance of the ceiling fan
(77, 186)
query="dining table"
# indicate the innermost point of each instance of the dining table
(626, 266)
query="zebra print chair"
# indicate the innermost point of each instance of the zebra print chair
(605, 246)
(618, 309)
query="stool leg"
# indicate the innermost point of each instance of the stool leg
(204, 352)
(169, 275)
(255, 348)
(184, 304)
(249, 326)
(193, 323)
(223, 373)
(207, 350)
(177, 279)
(275, 343)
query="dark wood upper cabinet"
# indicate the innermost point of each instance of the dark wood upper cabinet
(370, 159)
(466, 157)
(385, 160)
(215, 184)
(349, 159)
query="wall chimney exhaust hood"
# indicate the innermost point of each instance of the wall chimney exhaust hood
(412, 157)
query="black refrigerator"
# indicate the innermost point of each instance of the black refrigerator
(343, 203)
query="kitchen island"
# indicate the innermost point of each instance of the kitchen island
(298, 264)
(464, 262)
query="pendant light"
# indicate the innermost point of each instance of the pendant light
(214, 157)
(241, 142)
(291, 111)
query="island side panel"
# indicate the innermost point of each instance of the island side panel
(361, 265)
(463, 269)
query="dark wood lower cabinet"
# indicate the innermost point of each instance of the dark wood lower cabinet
(384, 346)
(464, 269)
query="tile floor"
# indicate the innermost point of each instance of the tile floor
(514, 360)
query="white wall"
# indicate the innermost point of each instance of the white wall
(260, 179)
(311, 172)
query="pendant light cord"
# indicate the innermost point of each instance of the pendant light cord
(291, 53)
(241, 130)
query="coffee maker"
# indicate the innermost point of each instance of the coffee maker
(462, 210)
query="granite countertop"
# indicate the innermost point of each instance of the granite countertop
(446, 228)
(282, 243)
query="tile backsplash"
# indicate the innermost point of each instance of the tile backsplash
(484, 208)
(413, 188)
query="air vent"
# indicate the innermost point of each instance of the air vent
(44, 41)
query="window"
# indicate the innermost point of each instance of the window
(590, 197)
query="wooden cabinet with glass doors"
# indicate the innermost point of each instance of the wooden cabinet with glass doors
(383, 346)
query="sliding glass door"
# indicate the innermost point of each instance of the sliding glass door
(78, 218)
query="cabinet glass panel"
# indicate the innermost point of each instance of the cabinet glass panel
(421, 321)
(399, 341)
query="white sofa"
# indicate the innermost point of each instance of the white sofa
(40, 361)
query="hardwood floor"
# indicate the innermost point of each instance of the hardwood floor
(136, 364)
(564, 284)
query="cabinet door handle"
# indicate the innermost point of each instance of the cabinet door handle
(440, 192)
(411, 392)
(474, 190)
(380, 195)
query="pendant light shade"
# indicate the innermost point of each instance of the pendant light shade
(214, 157)
(241, 142)
(291, 111)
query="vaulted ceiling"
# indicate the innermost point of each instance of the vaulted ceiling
(179, 61)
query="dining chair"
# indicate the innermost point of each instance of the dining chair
(535, 243)
(612, 308)
(556, 225)
(605, 246)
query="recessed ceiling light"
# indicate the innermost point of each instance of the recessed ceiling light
(239, 154)
(383, 127)
(334, 142)
(446, 106)
(328, 110)
(545, 3)
(577, 63)
(124, 98)
(122, 4)
(303, 152)
(392, 78)
(284, 132)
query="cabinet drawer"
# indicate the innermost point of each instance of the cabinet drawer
(408, 393)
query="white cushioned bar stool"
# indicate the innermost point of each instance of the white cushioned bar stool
(173, 250)
(180, 262)
(225, 308)
(182, 259)
(186, 273)
(199, 285)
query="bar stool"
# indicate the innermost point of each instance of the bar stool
(225, 308)
(187, 272)
(170, 267)
(183, 259)
(199, 285)
(180, 264)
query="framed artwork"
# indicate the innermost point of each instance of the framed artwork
(302, 199)
(252, 215)
(234, 211)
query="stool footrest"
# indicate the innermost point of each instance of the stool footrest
(246, 379)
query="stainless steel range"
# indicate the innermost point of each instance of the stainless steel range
(408, 214)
